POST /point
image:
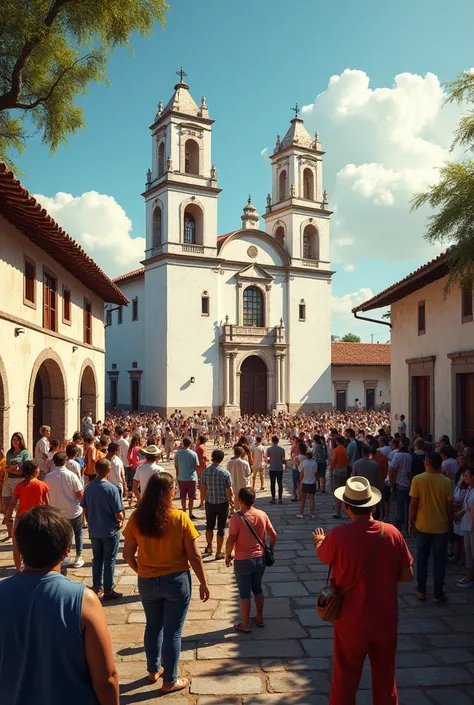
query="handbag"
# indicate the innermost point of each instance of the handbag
(329, 604)
(267, 551)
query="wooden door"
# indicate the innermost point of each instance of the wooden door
(135, 394)
(422, 404)
(253, 386)
(369, 399)
(467, 405)
(341, 403)
(113, 393)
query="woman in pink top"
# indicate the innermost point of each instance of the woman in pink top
(249, 560)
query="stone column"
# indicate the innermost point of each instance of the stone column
(226, 379)
(232, 377)
(282, 379)
(278, 379)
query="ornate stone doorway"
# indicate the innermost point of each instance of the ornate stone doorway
(253, 386)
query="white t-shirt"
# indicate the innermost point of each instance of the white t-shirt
(124, 446)
(144, 472)
(309, 468)
(74, 467)
(259, 457)
(63, 485)
(466, 521)
(115, 476)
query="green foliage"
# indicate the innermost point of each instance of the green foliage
(452, 198)
(350, 338)
(50, 50)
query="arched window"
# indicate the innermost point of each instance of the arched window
(161, 159)
(280, 235)
(310, 243)
(308, 184)
(282, 189)
(156, 227)
(253, 307)
(191, 157)
(189, 228)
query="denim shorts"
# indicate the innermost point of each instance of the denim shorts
(248, 575)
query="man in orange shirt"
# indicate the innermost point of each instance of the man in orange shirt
(338, 470)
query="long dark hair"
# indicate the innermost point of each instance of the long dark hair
(21, 441)
(153, 512)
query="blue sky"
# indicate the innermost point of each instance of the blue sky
(252, 61)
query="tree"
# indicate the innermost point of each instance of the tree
(50, 50)
(350, 338)
(453, 196)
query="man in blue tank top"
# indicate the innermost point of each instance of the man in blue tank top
(54, 642)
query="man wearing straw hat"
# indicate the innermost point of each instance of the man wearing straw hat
(368, 559)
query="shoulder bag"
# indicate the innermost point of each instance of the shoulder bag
(267, 551)
(329, 604)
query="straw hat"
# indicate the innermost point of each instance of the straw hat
(358, 493)
(151, 450)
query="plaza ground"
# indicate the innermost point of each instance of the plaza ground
(289, 661)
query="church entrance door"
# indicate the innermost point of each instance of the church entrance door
(253, 386)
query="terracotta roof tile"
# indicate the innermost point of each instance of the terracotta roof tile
(130, 275)
(26, 214)
(426, 274)
(360, 354)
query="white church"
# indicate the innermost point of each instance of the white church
(233, 324)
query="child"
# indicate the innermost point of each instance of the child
(72, 452)
(31, 492)
(49, 466)
(308, 471)
(117, 471)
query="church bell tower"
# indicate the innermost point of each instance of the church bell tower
(297, 212)
(181, 186)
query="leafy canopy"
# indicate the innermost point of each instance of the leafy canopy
(350, 338)
(452, 198)
(50, 50)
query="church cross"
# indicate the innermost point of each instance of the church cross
(296, 110)
(181, 74)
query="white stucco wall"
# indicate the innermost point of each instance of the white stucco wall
(445, 333)
(19, 353)
(356, 376)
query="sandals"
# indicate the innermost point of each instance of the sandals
(207, 551)
(179, 684)
(239, 628)
(420, 595)
(220, 556)
(259, 624)
(156, 675)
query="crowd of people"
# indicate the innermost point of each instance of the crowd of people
(120, 468)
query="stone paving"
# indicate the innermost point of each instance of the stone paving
(289, 661)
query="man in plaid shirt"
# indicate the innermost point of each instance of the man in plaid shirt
(219, 496)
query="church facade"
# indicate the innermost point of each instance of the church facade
(237, 323)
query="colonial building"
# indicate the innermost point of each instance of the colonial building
(360, 371)
(234, 324)
(51, 321)
(432, 351)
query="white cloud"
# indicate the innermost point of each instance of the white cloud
(264, 151)
(349, 267)
(382, 145)
(101, 226)
(342, 305)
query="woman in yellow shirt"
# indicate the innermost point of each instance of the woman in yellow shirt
(166, 540)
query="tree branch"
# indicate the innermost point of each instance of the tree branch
(9, 99)
(39, 101)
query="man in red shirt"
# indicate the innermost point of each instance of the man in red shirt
(203, 463)
(369, 564)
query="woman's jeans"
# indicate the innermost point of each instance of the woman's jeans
(248, 576)
(276, 476)
(424, 544)
(165, 601)
(104, 553)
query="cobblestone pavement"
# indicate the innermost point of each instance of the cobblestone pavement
(289, 661)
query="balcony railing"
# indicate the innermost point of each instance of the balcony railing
(252, 334)
(195, 249)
